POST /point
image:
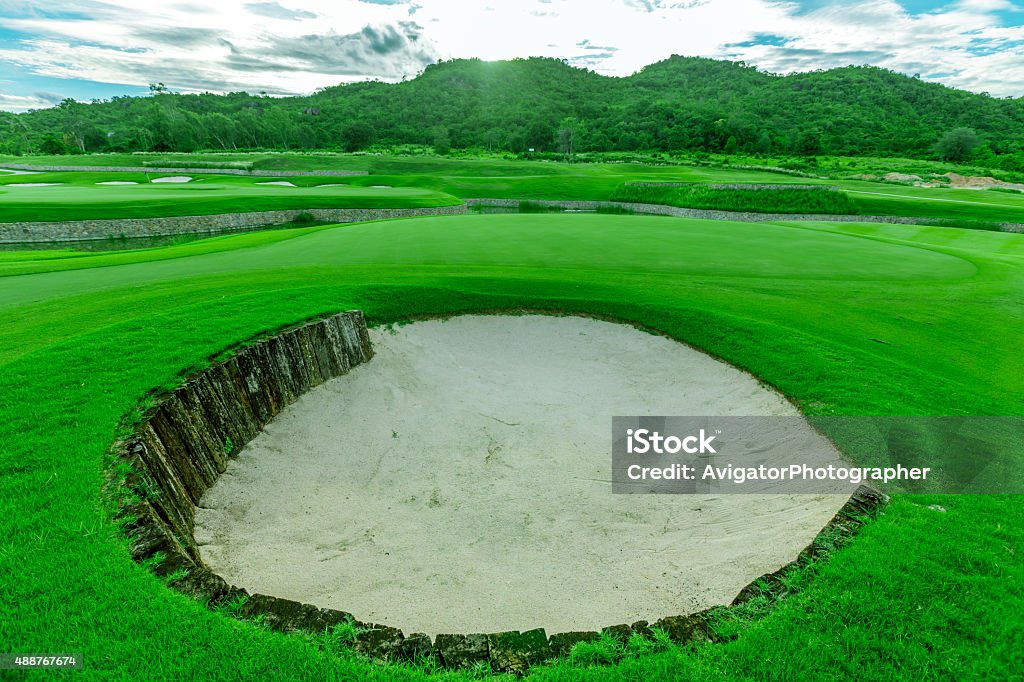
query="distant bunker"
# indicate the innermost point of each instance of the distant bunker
(460, 482)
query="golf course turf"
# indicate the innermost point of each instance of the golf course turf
(78, 196)
(414, 182)
(919, 594)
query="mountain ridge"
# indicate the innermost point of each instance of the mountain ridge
(545, 104)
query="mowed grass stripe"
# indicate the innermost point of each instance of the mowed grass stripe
(78, 197)
(655, 244)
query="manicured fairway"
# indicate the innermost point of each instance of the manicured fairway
(425, 181)
(77, 196)
(919, 594)
(874, 198)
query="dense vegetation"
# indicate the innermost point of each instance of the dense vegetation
(822, 200)
(678, 104)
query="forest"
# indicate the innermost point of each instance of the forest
(547, 107)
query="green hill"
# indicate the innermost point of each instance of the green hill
(680, 103)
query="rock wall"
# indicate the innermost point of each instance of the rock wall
(183, 444)
(678, 212)
(193, 171)
(83, 230)
(185, 440)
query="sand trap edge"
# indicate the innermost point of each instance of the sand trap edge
(183, 442)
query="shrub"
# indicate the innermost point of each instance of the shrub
(825, 200)
(967, 224)
(957, 145)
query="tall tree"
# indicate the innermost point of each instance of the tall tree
(568, 135)
(957, 144)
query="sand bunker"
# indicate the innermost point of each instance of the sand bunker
(13, 171)
(173, 178)
(380, 187)
(118, 182)
(282, 183)
(33, 184)
(459, 482)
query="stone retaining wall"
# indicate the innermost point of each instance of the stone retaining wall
(678, 212)
(184, 442)
(194, 171)
(80, 230)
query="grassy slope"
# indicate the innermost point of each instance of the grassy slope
(857, 198)
(31, 262)
(78, 197)
(463, 178)
(919, 594)
(806, 200)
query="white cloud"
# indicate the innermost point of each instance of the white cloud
(986, 5)
(199, 48)
(19, 103)
(296, 46)
(642, 32)
(881, 33)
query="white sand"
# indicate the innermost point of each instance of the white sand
(459, 482)
(173, 178)
(380, 187)
(117, 182)
(12, 171)
(33, 184)
(282, 183)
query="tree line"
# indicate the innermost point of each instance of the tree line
(545, 105)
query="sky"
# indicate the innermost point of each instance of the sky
(97, 49)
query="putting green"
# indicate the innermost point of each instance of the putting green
(842, 318)
(599, 243)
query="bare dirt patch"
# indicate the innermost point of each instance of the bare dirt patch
(980, 182)
(901, 177)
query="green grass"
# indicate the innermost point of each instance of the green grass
(947, 207)
(28, 262)
(879, 199)
(918, 594)
(186, 163)
(78, 197)
(824, 200)
(442, 178)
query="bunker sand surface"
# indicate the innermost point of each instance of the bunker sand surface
(459, 482)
